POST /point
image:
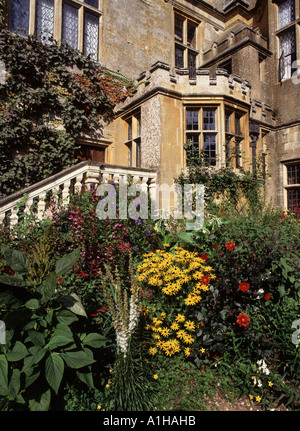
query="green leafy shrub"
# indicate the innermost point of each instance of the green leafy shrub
(47, 337)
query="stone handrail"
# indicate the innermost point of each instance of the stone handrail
(77, 179)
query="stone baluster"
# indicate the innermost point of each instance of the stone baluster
(28, 205)
(105, 178)
(14, 216)
(144, 185)
(116, 178)
(92, 178)
(41, 206)
(2, 217)
(55, 195)
(78, 184)
(66, 192)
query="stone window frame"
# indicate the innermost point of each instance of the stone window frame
(83, 8)
(291, 186)
(198, 132)
(188, 47)
(134, 141)
(286, 69)
(233, 139)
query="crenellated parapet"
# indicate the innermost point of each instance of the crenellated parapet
(177, 82)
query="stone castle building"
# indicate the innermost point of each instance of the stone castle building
(220, 75)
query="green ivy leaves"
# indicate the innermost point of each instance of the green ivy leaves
(52, 95)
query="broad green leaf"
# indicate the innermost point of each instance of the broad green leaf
(281, 290)
(67, 262)
(31, 378)
(86, 377)
(38, 353)
(64, 330)
(12, 280)
(18, 352)
(186, 237)
(28, 363)
(77, 359)
(32, 304)
(95, 340)
(16, 260)
(49, 286)
(58, 341)
(3, 375)
(15, 383)
(72, 302)
(37, 338)
(54, 370)
(42, 403)
(66, 316)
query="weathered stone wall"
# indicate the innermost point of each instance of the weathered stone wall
(135, 35)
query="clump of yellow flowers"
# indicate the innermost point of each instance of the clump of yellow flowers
(178, 279)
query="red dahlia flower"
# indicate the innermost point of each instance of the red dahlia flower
(205, 280)
(243, 320)
(204, 257)
(267, 296)
(230, 245)
(244, 286)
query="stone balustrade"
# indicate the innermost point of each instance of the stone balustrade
(60, 187)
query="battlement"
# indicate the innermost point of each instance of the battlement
(160, 79)
(177, 82)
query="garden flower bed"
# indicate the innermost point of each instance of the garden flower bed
(111, 315)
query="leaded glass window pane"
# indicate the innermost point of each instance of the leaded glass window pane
(179, 57)
(70, 25)
(178, 29)
(192, 151)
(287, 50)
(94, 3)
(45, 20)
(210, 149)
(286, 13)
(209, 119)
(293, 199)
(191, 35)
(192, 122)
(91, 35)
(19, 16)
(293, 173)
(192, 64)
